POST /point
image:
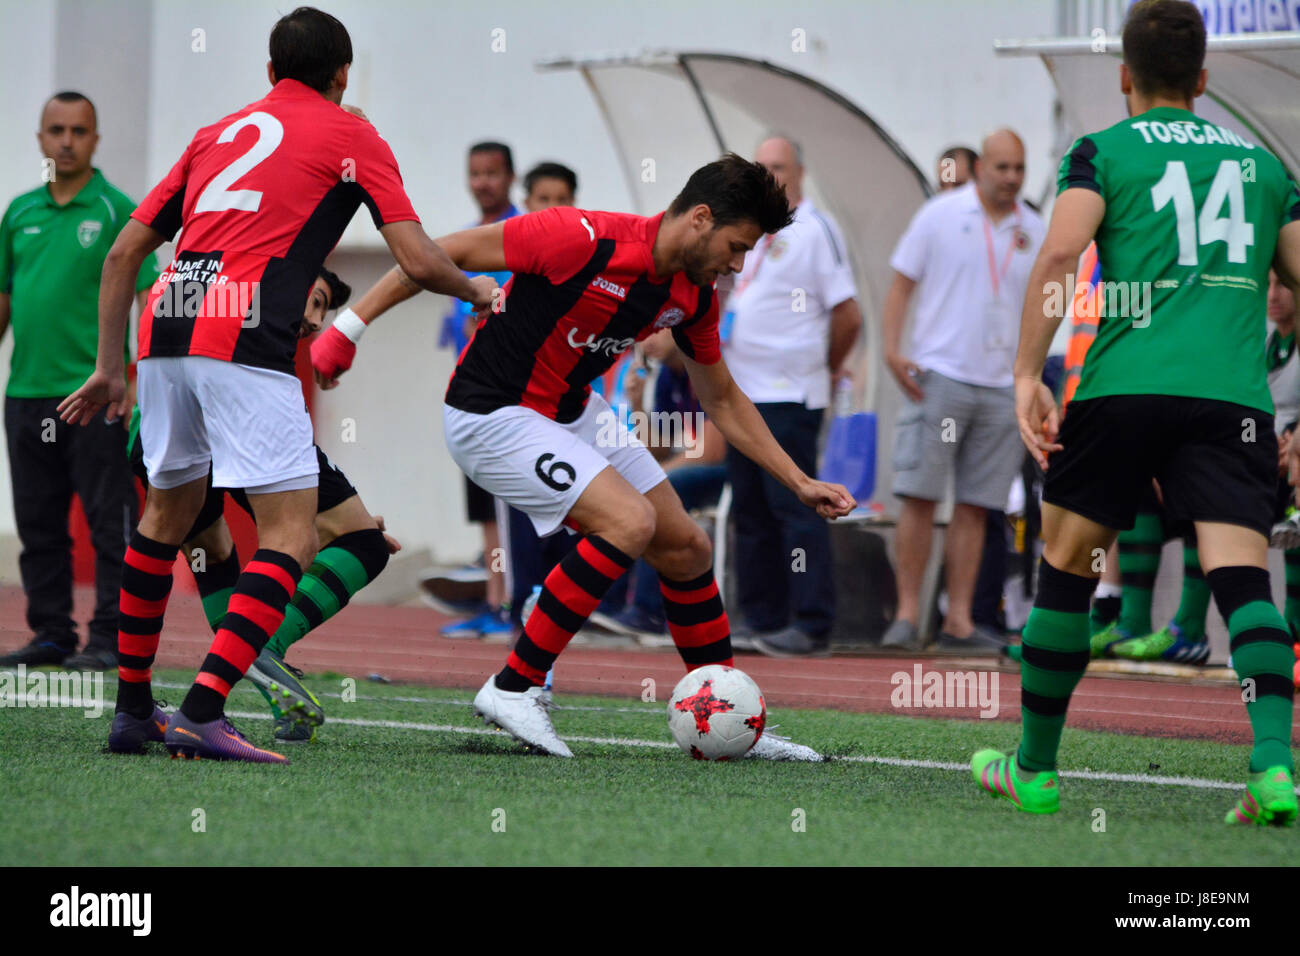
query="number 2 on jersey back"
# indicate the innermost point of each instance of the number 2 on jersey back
(1233, 229)
(218, 196)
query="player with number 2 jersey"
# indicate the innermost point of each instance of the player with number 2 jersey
(260, 198)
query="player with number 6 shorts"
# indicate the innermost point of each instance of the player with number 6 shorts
(522, 422)
(259, 199)
(1188, 217)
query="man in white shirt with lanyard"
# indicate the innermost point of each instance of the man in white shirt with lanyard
(966, 255)
(789, 325)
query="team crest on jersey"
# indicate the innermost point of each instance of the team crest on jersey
(777, 249)
(88, 232)
(669, 317)
(1021, 240)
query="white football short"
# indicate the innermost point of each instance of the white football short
(541, 467)
(250, 425)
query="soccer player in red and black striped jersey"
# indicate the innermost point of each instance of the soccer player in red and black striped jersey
(260, 198)
(522, 421)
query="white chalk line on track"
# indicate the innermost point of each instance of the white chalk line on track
(1138, 778)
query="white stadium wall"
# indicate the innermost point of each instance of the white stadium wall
(429, 78)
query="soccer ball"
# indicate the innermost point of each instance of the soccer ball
(716, 713)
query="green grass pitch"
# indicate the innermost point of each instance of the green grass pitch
(372, 791)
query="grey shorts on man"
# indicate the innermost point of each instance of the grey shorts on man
(966, 433)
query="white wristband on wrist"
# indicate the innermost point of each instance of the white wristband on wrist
(350, 324)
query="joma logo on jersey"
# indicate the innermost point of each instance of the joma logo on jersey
(600, 282)
(608, 345)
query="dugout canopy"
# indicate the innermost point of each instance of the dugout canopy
(1253, 87)
(669, 113)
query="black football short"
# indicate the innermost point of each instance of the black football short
(333, 490)
(1215, 461)
(480, 506)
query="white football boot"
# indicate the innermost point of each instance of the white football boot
(770, 746)
(523, 715)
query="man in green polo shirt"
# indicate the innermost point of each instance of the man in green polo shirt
(53, 241)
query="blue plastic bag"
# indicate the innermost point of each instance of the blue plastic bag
(850, 458)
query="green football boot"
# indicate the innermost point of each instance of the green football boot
(1101, 643)
(997, 774)
(290, 731)
(1269, 799)
(281, 684)
(1170, 643)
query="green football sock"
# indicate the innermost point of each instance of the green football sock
(1139, 562)
(1291, 609)
(1262, 656)
(1266, 659)
(1195, 601)
(1053, 658)
(348, 564)
(216, 583)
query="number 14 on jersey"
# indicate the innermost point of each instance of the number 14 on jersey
(1209, 226)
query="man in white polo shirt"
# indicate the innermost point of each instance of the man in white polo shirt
(966, 255)
(790, 323)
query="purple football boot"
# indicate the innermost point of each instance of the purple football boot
(129, 734)
(215, 740)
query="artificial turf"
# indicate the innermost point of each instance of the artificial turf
(369, 794)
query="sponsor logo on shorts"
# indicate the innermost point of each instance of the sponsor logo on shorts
(606, 345)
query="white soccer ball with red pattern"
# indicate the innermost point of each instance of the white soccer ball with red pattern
(716, 713)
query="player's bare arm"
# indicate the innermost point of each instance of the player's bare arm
(107, 384)
(480, 249)
(741, 424)
(421, 264)
(1075, 219)
(5, 312)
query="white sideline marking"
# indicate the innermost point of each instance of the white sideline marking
(452, 729)
(1139, 778)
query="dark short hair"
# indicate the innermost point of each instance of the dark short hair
(736, 190)
(340, 291)
(71, 96)
(1164, 47)
(551, 171)
(493, 147)
(965, 152)
(309, 46)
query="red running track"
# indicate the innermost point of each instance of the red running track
(402, 644)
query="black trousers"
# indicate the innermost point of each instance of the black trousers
(784, 572)
(49, 461)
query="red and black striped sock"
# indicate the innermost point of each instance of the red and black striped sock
(146, 584)
(569, 595)
(697, 620)
(255, 611)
